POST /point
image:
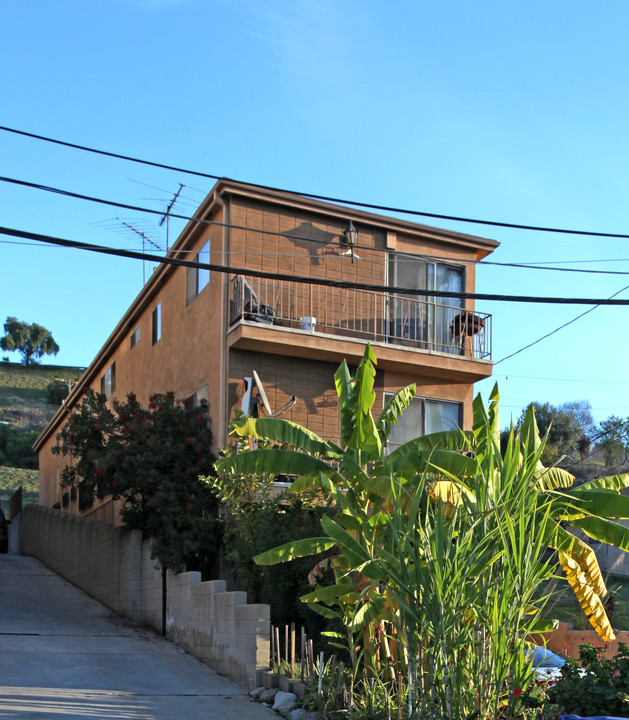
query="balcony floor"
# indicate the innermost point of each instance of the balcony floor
(272, 339)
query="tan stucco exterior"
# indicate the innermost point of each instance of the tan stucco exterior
(203, 345)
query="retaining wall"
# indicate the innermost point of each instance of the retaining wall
(114, 566)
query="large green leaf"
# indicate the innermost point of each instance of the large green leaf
(296, 549)
(283, 431)
(329, 593)
(393, 409)
(414, 461)
(276, 462)
(542, 625)
(611, 482)
(356, 418)
(604, 530)
(604, 503)
(366, 613)
(552, 478)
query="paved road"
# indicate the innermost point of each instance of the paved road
(65, 656)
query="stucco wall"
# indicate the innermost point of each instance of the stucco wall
(114, 566)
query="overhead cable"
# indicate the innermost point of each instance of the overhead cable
(355, 203)
(290, 236)
(609, 301)
(344, 284)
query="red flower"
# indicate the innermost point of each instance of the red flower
(100, 471)
(517, 692)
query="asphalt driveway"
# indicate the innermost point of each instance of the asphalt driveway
(64, 655)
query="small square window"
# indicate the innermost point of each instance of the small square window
(135, 338)
(156, 322)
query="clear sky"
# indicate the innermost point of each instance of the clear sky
(515, 112)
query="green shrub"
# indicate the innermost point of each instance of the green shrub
(599, 686)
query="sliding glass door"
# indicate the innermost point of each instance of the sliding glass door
(423, 321)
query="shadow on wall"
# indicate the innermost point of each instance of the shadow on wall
(317, 249)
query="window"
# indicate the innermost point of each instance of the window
(422, 417)
(198, 278)
(108, 381)
(135, 337)
(196, 398)
(424, 321)
(156, 323)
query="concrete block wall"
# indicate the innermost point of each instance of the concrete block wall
(114, 566)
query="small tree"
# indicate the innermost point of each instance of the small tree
(31, 340)
(152, 459)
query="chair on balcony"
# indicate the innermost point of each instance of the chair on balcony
(465, 325)
(247, 307)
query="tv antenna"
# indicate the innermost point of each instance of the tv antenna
(168, 209)
(145, 239)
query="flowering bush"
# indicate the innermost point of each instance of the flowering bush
(599, 686)
(152, 459)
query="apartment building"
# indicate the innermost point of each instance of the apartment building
(287, 306)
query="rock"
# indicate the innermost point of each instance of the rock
(296, 714)
(284, 702)
(268, 696)
(255, 694)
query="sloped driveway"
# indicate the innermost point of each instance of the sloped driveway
(64, 655)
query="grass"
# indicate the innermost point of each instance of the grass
(16, 376)
(23, 393)
(24, 405)
(11, 479)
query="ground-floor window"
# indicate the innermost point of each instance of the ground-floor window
(424, 416)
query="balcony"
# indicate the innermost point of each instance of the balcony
(320, 318)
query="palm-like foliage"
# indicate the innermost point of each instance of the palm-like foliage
(441, 543)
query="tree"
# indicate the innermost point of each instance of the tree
(568, 427)
(31, 340)
(614, 440)
(152, 459)
(57, 391)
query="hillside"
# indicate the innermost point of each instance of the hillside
(24, 412)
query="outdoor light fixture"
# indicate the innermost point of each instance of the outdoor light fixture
(351, 234)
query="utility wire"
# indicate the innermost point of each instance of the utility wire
(343, 284)
(561, 327)
(356, 203)
(246, 228)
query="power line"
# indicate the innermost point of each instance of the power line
(246, 228)
(343, 284)
(557, 379)
(356, 203)
(561, 327)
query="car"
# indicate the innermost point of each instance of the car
(4, 533)
(547, 664)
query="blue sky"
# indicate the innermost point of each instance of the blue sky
(501, 111)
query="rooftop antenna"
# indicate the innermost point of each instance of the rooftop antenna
(145, 239)
(167, 213)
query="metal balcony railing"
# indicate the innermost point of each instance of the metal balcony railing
(370, 316)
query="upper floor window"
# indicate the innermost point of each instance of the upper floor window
(156, 323)
(108, 380)
(421, 320)
(424, 416)
(135, 338)
(198, 278)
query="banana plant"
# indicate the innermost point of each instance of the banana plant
(592, 507)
